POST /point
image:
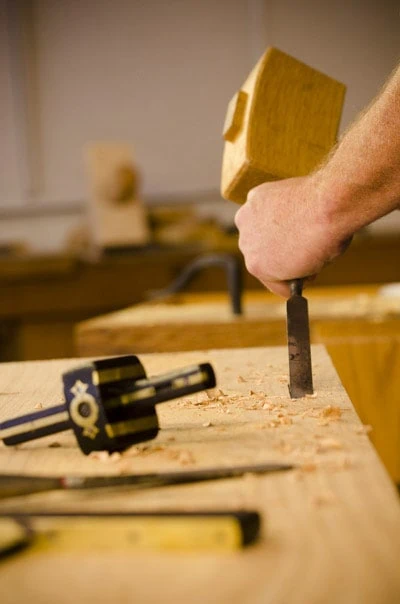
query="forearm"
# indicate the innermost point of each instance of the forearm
(360, 181)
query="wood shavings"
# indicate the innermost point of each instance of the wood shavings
(38, 406)
(241, 379)
(201, 398)
(99, 455)
(335, 465)
(321, 499)
(207, 424)
(137, 450)
(54, 445)
(256, 406)
(185, 458)
(364, 429)
(331, 412)
(308, 467)
(115, 456)
(285, 421)
(284, 447)
(328, 444)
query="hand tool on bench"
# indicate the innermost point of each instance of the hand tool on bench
(110, 404)
(12, 485)
(220, 530)
(281, 123)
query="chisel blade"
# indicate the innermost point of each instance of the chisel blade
(298, 334)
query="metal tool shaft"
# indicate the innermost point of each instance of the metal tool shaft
(298, 334)
(18, 485)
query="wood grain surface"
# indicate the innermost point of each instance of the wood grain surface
(331, 527)
(359, 327)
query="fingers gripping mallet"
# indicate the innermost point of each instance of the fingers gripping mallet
(110, 404)
(280, 124)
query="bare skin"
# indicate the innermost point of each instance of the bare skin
(292, 228)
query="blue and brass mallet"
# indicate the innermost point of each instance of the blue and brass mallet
(110, 404)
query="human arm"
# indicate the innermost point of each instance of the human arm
(292, 228)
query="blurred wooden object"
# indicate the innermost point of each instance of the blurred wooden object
(281, 123)
(366, 355)
(360, 329)
(117, 216)
(331, 528)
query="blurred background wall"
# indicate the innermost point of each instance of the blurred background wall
(157, 74)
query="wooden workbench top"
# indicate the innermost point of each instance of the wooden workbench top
(331, 527)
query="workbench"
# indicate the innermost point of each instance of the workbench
(359, 327)
(331, 527)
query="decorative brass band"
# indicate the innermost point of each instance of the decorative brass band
(147, 392)
(131, 397)
(131, 426)
(34, 424)
(189, 380)
(103, 376)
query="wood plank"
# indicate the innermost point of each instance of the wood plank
(189, 321)
(367, 358)
(331, 528)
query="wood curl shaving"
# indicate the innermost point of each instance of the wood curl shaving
(330, 412)
(364, 429)
(328, 444)
(325, 498)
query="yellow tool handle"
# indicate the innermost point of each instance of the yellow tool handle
(178, 531)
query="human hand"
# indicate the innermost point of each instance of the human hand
(285, 232)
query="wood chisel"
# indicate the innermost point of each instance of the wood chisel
(298, 337)
(280, 124)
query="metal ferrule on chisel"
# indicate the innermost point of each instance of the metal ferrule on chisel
(110, 404)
